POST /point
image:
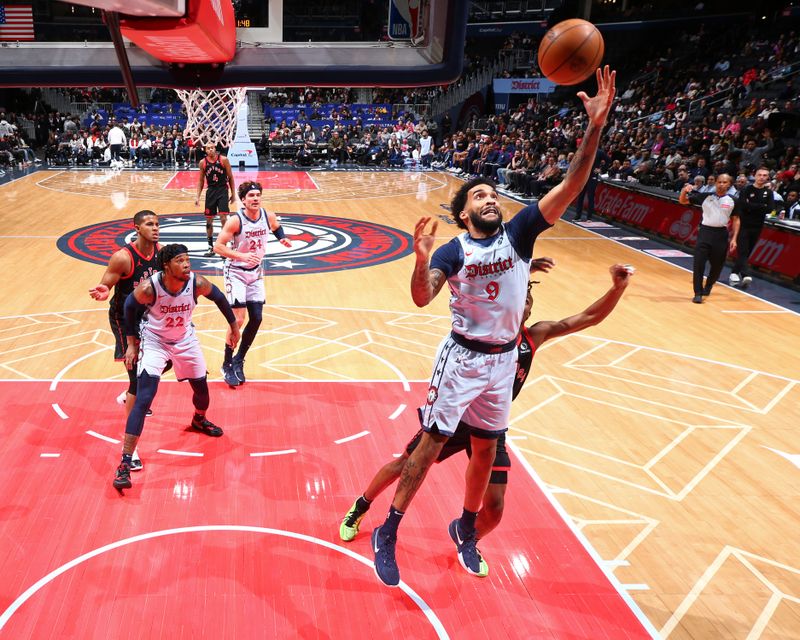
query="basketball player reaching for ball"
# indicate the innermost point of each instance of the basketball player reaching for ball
(249, 229)
(530, 338)
(487, 271)
(158, 324)
(215, 172)
(136, 261)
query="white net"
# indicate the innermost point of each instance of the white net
(211, 114)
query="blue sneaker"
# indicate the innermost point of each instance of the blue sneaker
(238, 369)
(385, 564)
(229, 376)
(468, 554)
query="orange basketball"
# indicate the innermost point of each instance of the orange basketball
(571, 51)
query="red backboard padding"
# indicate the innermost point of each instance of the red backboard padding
(207, 34)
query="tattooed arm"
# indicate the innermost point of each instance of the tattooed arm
(425, 282)
(555, 203)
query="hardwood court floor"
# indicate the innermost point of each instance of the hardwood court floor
(667, 433)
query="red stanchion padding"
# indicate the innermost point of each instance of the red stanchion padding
(205, 35)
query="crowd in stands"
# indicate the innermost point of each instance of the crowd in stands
(706, 106)
(681, 122)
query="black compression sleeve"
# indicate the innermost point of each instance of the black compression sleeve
(218, 299)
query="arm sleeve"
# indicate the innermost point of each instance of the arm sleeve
(524, 228)
(134, 310)
(218, 299)
(448, 258)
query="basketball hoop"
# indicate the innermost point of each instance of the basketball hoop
(211, 114)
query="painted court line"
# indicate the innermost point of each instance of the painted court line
(397, 412)
(49, 455)
(190, 454)
(262, 454)
(59, 411)
(353, 437)
(100, 436)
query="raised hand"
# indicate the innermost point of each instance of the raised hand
(423, 242)
(620, 274)
(597, 107)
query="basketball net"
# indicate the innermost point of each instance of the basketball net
(211, 114)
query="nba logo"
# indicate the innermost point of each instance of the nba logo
(404, 19)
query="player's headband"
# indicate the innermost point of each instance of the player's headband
(169, 251)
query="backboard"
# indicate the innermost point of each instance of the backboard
(262, 58)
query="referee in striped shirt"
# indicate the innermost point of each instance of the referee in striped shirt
(713, 239)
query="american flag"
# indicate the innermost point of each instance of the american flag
(16, 22)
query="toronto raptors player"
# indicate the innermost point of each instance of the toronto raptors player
(136, 261)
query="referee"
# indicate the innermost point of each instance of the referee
(713, 240)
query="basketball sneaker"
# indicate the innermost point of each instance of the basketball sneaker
(205, 426)
(746, 282)
(385, 563)
(210, 253)
(238, 369)
(230, 375)
(349, 527)
(122, 479)
(468, 554)
(136, 461)
(734, 279)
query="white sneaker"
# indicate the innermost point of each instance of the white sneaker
(746, 282)
(734, 279)
(122, 397)
(136, 461)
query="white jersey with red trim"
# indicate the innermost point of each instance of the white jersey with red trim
(488, 292)
(252, 236)
(169, 317)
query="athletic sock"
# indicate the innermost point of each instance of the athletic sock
(362, 505)
(468, 520)
(389, 527)
(127, 458)
(228, 355)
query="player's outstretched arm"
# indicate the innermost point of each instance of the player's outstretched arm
(594, 314)
(205, 288)
(555, 202)
(118, 266)
(425, 282)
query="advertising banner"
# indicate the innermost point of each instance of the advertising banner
(777, 250)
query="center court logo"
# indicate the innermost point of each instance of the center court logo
(319, 243)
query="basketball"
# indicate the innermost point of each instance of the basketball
(571, 51)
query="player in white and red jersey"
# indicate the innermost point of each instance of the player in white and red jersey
(249, 230)
(530, 338)
(159, 329)
(486, 269)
